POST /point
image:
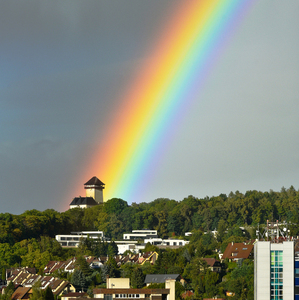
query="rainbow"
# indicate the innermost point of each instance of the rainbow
(162, 93)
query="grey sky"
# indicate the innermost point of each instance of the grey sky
(62, 64)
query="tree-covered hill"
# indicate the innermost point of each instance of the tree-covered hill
(27, 239)
(169, 217)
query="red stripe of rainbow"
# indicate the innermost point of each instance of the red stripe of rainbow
(167, 84)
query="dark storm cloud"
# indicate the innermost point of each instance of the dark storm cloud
(65, 64)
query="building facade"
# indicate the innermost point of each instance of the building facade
(274, 271)
(119, 288)
(140, 234)
(73, 239)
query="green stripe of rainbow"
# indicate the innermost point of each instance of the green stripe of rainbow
(167, 84)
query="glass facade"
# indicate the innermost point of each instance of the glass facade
(276, 275)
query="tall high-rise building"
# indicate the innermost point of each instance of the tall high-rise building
(275, 270)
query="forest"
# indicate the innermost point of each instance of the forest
(28, 239)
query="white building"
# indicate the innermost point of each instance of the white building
(140, 234)
(274, 269)
(166, 242)
(73, 239)
(128, 245)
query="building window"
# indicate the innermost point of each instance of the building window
(107, 297)
(276, 275)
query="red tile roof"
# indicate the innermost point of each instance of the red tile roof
(237, 251)
(210, 261)
(21, 293)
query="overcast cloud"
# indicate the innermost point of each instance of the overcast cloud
(63, 64)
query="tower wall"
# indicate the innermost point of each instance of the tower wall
(95, 193)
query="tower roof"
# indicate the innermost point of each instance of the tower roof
(83, 201)
(94, 181)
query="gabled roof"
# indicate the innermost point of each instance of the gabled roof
(70, 264)
(160, 278)
(11, 273)
(21, 293)
(21, 278)
(61, 287)
(211, 261)
(83, 201)
(45, 281)
(55, 284)
(49, 266)
(237, 251)
(53, 266)
(95, 181)
(31, 280)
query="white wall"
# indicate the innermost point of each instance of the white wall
(262, 270)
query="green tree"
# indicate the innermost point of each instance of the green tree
(162, 225)
(79, 280)
(112, 269)
(137, 278)
(48, 294)
(83, 266)
(221, 230)
(115, 206)
(8, 291)
(37, 292)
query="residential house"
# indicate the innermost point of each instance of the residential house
(21, 293)
(31, 280)
(213, 264)
(60, 287)
(73, 295)
(238, 251)
(149, 257)
(14, 273)
(120, 288)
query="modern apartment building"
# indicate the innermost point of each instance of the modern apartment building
(140, 234)
(275, 271)
(73, 239)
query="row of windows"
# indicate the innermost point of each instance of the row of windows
(276, 270)
(127, 296)
(277, 293)
(69, 244)
(276, 281)
(276, 275)
(276, 258)
(63, 238)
